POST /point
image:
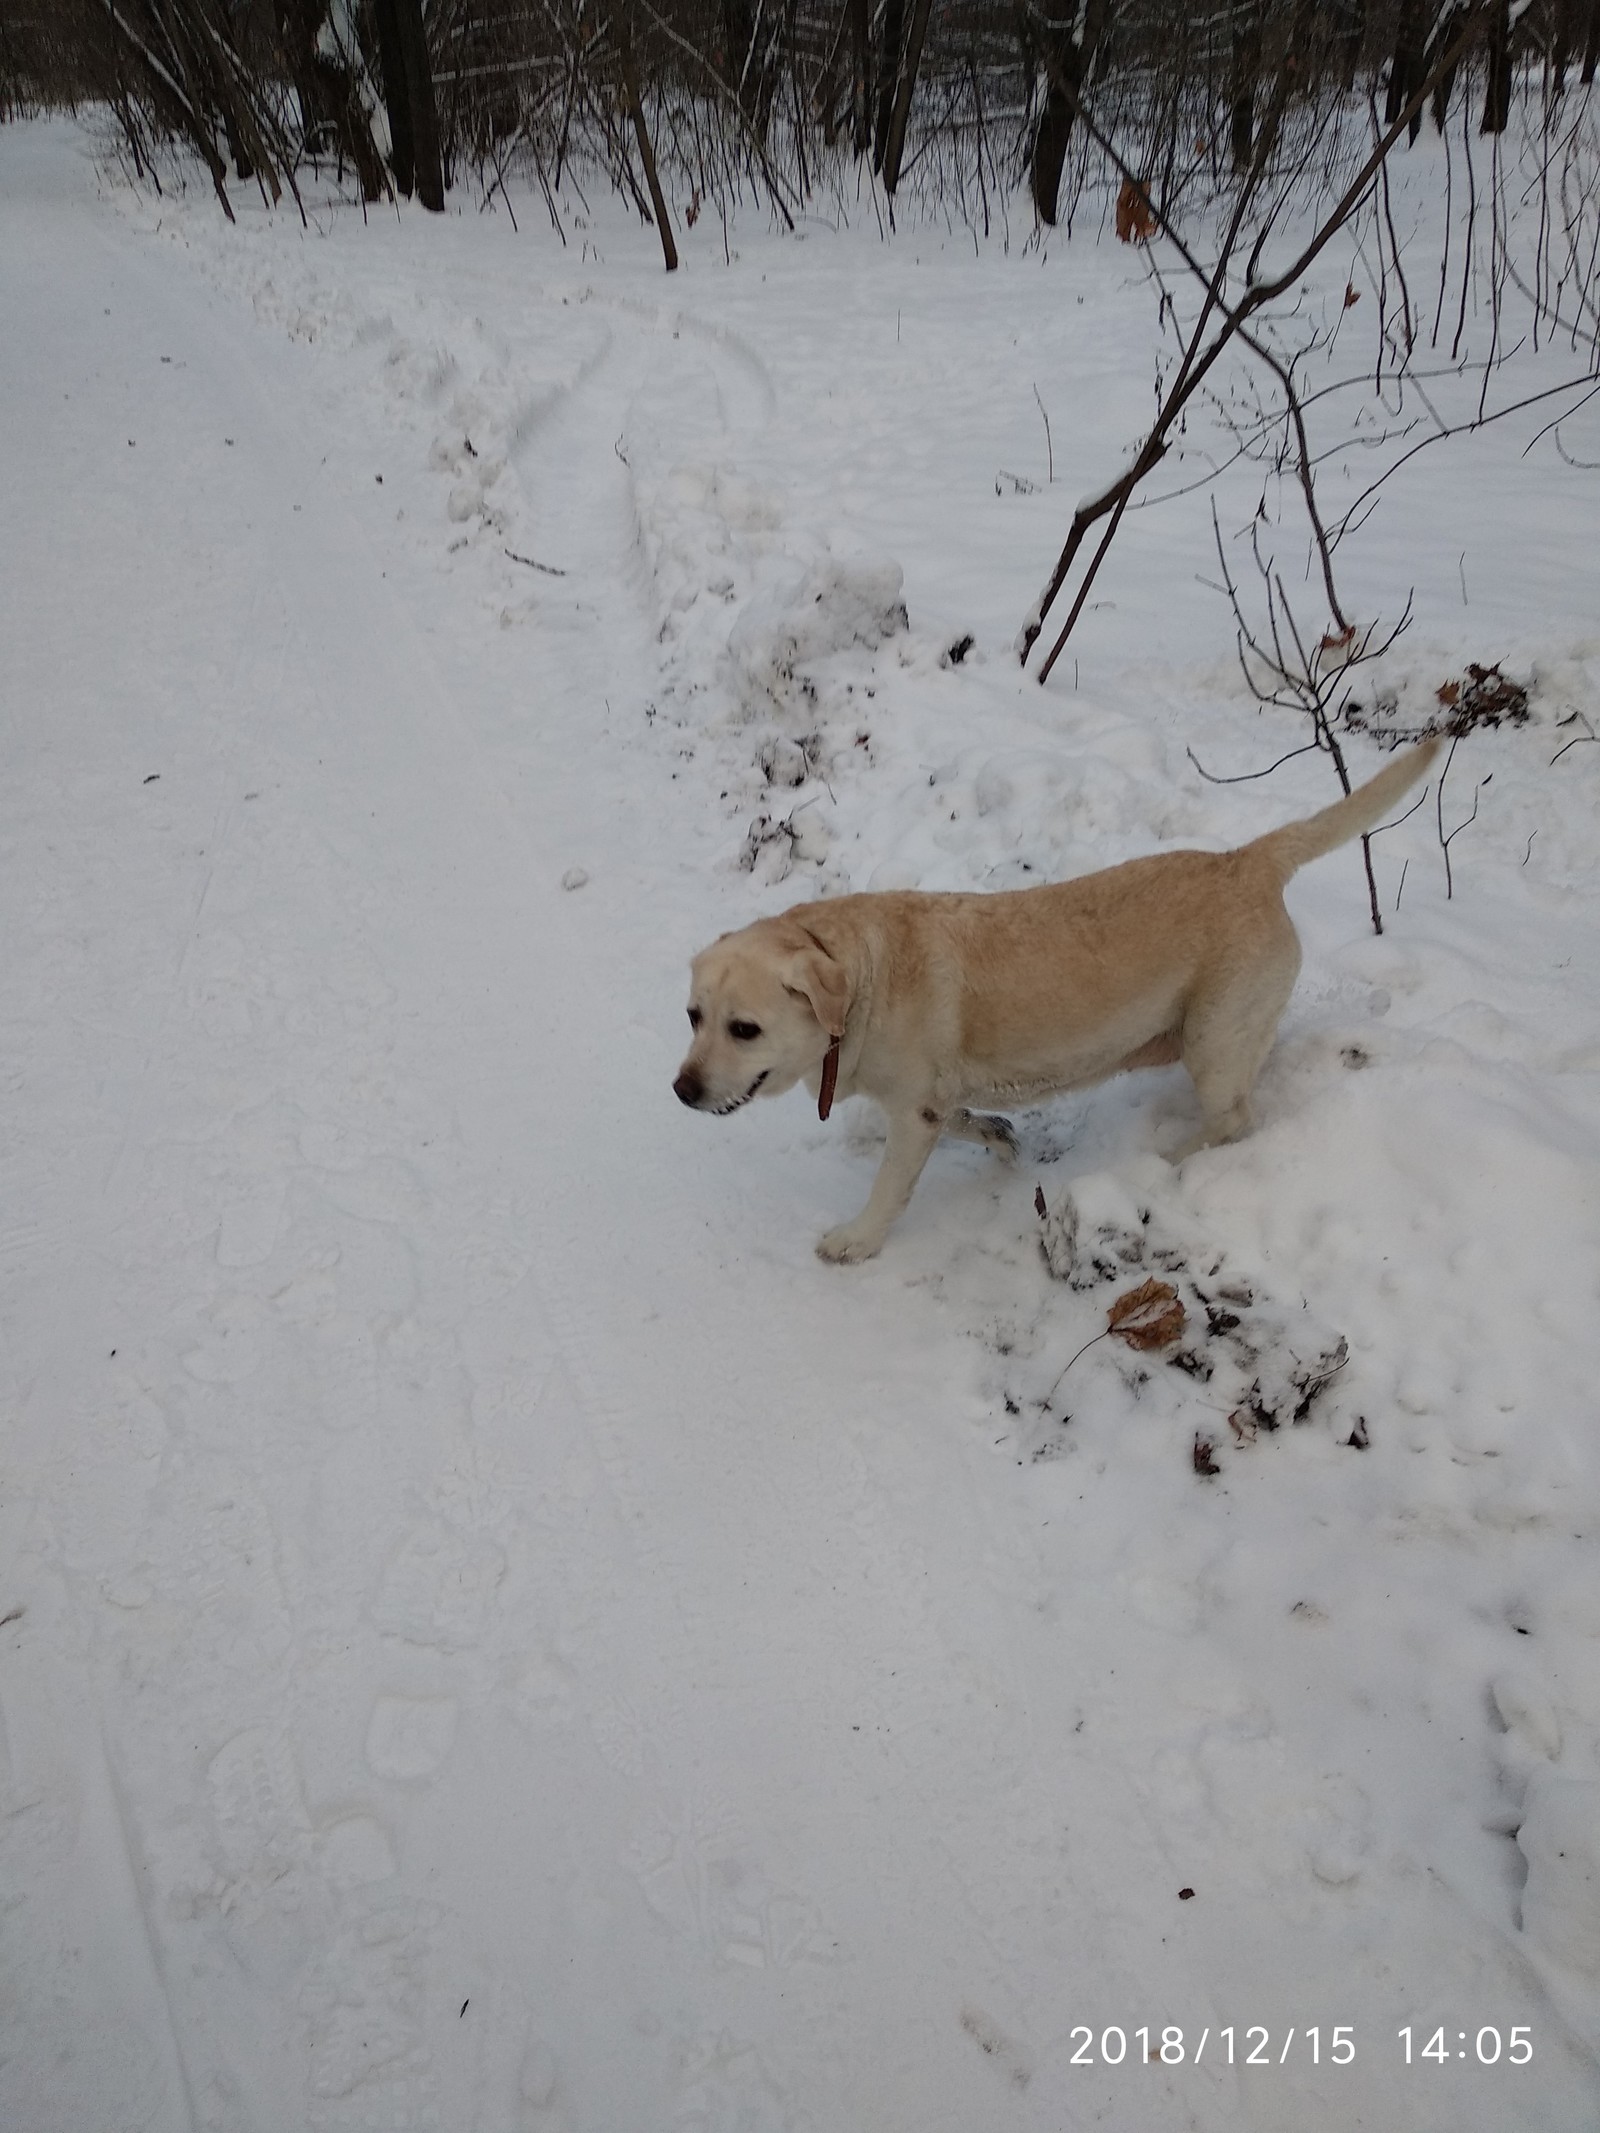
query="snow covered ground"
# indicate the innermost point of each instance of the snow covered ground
(493, 1633)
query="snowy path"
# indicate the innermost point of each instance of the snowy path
(496, 1635)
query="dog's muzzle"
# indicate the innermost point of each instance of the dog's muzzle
(690, 1089)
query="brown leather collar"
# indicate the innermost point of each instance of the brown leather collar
(830, 1080)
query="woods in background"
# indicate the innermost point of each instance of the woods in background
(697, 101)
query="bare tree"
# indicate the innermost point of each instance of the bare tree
(910, 61)
(1067, 50)
(409, 99)
(1244, 81)
(1234, 293)
(623, 32)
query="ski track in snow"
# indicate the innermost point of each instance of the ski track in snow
(497, 1636)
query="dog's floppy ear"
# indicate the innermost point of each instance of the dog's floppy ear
(813, 973)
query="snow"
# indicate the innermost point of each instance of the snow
(493, 1634)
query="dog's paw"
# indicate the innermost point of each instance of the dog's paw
(1177, 1150)
(846, 1245)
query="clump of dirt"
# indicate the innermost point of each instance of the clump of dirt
(1485, 698)
(1481, 698)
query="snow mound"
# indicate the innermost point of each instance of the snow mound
(771, 645)
(834, 606)
(1262, 1359)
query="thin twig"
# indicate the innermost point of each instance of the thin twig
(1245, 777)
(1445, 842)
(1577, 740)
(1066, 1366)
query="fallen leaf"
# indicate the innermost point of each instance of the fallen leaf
(1203, 1461)
(1150, 1316)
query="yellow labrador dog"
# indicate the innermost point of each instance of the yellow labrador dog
(929, 1003)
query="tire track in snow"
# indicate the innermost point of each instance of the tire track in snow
(270, 1839)
(275, 1893)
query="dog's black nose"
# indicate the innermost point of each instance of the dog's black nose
(688, 1088)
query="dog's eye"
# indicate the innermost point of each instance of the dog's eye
(695, 1018)
(744, 1031)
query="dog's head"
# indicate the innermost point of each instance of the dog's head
(764, 1005)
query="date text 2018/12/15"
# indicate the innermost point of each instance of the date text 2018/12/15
(1242, 2047)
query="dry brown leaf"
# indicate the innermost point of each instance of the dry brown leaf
(1352, 295)
(1149, 1316)
(1336, 640)
(1136, 221)
(1449, 694)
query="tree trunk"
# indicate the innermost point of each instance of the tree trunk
(641, 133)
(861, 75)
(1050, 140)
(1405, 71)
(396, 101)
(236, 148)
(894, 148)
(1563, 35)
(1066, 63)
(1352, 34)
(825, 98)
(428, 171)
(327, 93)
(1244, 74)
(894, 18)
(1449, 28)
(738, 30)
(827, 107)
(1497, 90)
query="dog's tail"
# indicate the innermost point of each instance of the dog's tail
(1298, 843)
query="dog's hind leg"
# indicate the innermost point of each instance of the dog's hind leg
(913, 1136)
(1226, 1039)
(984, 1128)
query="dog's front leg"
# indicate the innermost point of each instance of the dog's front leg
(913, 1136)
